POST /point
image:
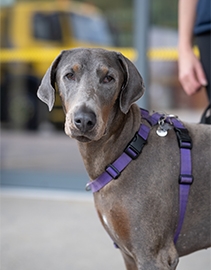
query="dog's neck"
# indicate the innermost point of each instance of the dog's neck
(98, 154)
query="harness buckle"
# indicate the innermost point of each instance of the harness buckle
(186, 179)
(183, 137)
(135, 146)
(112, 171)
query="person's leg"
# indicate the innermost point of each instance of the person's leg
(204, 44)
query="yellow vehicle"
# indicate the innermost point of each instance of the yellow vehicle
(32, 34)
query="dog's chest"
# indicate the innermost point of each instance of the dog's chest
(116, 222)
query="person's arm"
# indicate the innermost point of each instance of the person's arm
(191, 74)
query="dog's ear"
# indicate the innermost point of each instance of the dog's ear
(133, 87)
(46, 90)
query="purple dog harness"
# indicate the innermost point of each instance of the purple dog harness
(134, 148)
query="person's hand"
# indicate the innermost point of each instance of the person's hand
(191, 73)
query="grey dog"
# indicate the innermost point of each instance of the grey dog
(140, 209)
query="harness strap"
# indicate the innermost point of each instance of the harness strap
(133, 150)
(185, 177)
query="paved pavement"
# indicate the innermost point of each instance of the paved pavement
(47, 219)
(42, 229)
(46, 160)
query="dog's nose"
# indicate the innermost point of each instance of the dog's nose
(84, 119)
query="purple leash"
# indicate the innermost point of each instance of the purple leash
(133, 150)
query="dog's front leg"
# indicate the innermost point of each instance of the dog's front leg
(130, 263)
(166, 259)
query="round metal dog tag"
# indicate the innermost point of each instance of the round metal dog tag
(161, 132)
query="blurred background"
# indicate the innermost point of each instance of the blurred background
(34, 32)
(47, 219)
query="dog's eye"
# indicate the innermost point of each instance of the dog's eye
(70, 76)
(108, 79)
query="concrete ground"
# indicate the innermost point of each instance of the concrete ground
(54, 230)
(47, 219)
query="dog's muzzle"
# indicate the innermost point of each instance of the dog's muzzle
(84, 119)
(82, 124)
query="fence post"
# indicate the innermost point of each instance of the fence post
(141, 32)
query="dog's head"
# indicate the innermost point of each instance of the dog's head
(91, 83)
